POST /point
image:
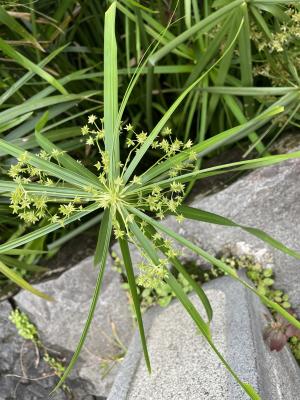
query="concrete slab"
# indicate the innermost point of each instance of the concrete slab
(185, 368)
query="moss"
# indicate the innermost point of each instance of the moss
(27, 330)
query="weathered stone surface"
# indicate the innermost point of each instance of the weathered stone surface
(61, 322)
(185, 368)
(25, 376)
(269, 199)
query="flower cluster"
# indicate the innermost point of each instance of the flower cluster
(288, 32)
(158, 198)
(31, 206)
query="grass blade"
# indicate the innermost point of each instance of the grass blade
(47, 166)
(30, 66)
(15, 27)
(180, 268)
(205, 216)
(17, 279)
(133, 290)
(111, 91)
(45, 230)
(63, 158)
(100, 261)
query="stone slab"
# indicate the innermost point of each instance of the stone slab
(267, 198)
(61, 322)
(185, 368)
(24, 375)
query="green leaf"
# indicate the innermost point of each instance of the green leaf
(180, 268)
(100, 261)
(111, 91)
(25, 78)
(221, 169)
(64, 159)
(211, 20)
(205, 216)
(36, 103)
(15, 27)
(188, 305)
(30, 66)
(48, 166)
(133, 290)
(214, 142)
(45, 230)
(13, 276)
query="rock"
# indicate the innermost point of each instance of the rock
(185, 368)
(267, 198)
(60, 323)
(25, 376)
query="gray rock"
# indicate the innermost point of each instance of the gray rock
(267, 198)
(62, 321)
(185, 368)
(23, 374)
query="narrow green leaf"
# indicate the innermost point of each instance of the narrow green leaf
(150, 230)
(213, 18)
(218, 170)
(30, 66)
(15, 27)
(133, 290)
(205, 216)
(14, 277)
(111, 91)
(100, 261)
(25, 78)
(47, 166)
(36, 103)
(188, 305)
(214, 142)
(45, 230)
(64, 159)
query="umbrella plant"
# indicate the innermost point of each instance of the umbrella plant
(133, 202)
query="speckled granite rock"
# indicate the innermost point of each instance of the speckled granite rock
(25, 377)
(267, 198)
(184, 367)
(61, 322)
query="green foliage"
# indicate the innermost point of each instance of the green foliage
(25, 328)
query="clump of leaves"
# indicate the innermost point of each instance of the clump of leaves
(279, 331)
(26, 329)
